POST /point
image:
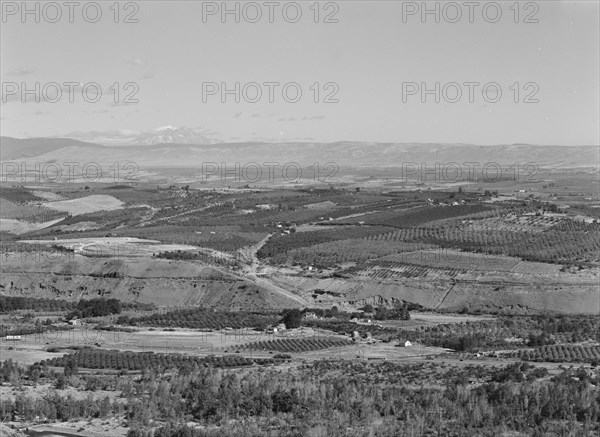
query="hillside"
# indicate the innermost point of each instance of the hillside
(349, 154)
(160, 282)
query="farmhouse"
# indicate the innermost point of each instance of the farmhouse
(404, 343)
(275, 329)
(311, 316)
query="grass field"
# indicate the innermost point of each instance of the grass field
(87, 204)
(118, 247)
(27, 213)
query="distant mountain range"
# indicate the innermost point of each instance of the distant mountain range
(161, 135)
(348, 154)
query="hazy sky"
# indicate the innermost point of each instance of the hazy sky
(368, 55)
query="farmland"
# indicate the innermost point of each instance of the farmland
(202, 319)
(509, 333)
(399, 290)
(110, 246)
(87, 204)
(297, 345)
(568, 242)
(106, 359)
(561, 354)
(270, 237)
(408, 217)
(28, 213)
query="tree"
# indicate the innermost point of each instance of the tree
(368, 308)
(70, 367)
(292, 318)
(381, 314)
(61, 382)
(34, 373)
(284, 401)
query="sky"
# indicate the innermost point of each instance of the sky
(363, 70)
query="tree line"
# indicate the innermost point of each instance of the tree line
(514, 399)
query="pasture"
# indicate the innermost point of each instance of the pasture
(87, 204)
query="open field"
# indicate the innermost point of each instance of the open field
(472, 262)
(87, 204)
(19, 227)
(34, 348)
(26, 212)
(124, 247)
(419, 319)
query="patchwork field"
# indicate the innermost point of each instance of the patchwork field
(314, 247)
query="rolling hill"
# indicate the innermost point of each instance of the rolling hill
(350, 154)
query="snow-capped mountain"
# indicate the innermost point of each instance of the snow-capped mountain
(161, 135)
